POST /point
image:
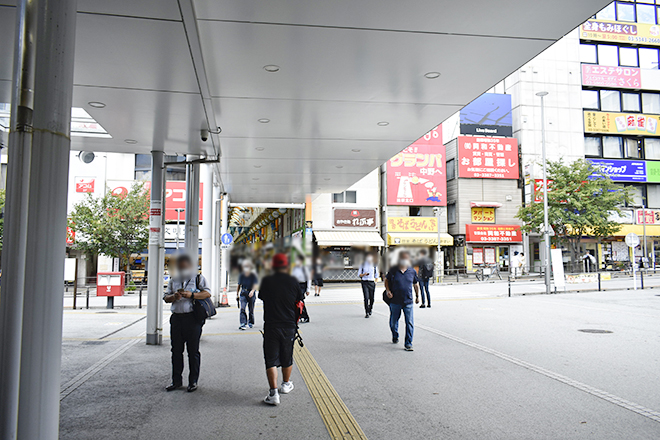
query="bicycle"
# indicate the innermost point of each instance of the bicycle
(484, 273)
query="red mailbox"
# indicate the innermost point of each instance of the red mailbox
(110, 283)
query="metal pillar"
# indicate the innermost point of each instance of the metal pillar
(207, 225)
(546, 224)
(39, 145)
(154, 279)
(217, 257)
(192, 209)
(224, 260)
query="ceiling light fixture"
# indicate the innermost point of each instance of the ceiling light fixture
(257, 166)
(383, 123)
(130, 141)
(432, 75)
(96, 104)
(255, 178)
(271, 68)
(326, 178)
(259, 148)
(356, 150)
(340, 166)
(264, 120)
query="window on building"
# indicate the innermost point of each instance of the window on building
(588, 53)
(638, 193)
(351, 197)
(630, 102)
(451, 213)
(633, 148)
(610, 100)
(607, 13)
(653, 196)
(648, 58)
(612, 147)
(451, 169)
(345, 197)
(338, 198)
(592, 146)
(608, 55)
(652, 148)
(625, 11)
(646, 14)
(651, 103)
(590, 99)
(628, 56)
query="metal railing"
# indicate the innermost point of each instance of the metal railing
(87, 286)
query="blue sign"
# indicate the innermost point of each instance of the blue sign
(488, 115)
(227, 238)
(622, 170)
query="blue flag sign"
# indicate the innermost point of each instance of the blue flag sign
(227, 238)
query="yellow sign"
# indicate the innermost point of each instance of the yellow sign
(483, 215)
(412, 224)
(419, 239)
(620, 32)
(621, 123)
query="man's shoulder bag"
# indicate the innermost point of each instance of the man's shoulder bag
(203, 308)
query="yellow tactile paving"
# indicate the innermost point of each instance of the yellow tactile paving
(337, 418)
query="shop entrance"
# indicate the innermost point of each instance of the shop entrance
(492, 255)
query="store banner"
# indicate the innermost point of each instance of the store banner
(175, 196)
(610, 76)
(493, 234)
(412, 224)
(620, 32)
(652, 216)
(416, 176)
(354, 218)
(621, 123)
(488, 115)
(622, 170)
(84, 184)
(483, 215)
(488, 157)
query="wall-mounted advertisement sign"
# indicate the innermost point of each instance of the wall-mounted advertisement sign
(354, 218)
(610, 76)
(487, 157)
(622, 32)
(621, 123)
(175, 196)
(85, 184)
(493, 234)
(416, 176)
(652, 216)
(483, 215)
(488, 115)
(412, 224)
(622, 170)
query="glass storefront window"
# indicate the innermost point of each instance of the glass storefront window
(590, 99)
(608, 55)
(612, 147)
(651, 103)
(610, 101)
(648, 58)
(630, 102)
(652, 148)
(592, 147)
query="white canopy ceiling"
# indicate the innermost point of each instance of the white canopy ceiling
(167, 68)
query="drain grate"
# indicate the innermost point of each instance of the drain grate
(94, 342)
(594, 330)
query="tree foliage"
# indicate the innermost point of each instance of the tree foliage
(580, 202)
(114, 225)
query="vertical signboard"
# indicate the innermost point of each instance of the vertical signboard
(416, 176)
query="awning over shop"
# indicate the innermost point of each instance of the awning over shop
(651, 230)
(418, 239)
(348, 238)
(485, 205)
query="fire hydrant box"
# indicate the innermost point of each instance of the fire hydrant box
(110, 283)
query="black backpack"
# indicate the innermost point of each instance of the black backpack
(427, 270)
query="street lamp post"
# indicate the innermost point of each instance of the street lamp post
(546, 225)
(178, 220)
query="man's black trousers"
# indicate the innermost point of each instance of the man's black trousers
(368, 290)
(185, 330)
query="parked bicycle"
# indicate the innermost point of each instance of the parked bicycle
(485, 272)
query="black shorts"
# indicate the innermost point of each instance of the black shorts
(318, 282)
(278, 347)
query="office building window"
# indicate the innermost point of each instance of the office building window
(451, 169)
(590, 99)
(652, 148)
(608, 55)
(610, 101)
(646, 14)
(630, 102)
(638, 193)
(451, 213)
(625, 11)
(633, 148)
(612, 147)
(592, 147)
(648, 58)
(345, 197)
(628, 56)
(607, 13)
(651, 103)
(653, 196)
(588, 53)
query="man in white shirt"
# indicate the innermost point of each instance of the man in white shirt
(368, 275)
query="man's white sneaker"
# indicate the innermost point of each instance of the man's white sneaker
(287, 387)
(272, 400)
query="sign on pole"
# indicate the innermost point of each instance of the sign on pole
(632, 240)
(227, 239)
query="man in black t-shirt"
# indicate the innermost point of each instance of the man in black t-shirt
(280, 294)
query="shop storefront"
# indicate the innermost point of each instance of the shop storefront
(489, 245)
(416, 231)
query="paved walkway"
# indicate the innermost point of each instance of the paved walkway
(486, 367)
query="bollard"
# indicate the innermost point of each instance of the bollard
(457, 279)
(87, 294)
(641, 277)
(599, 281)
(140, 303)
(509, 286)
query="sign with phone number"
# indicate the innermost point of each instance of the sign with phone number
(606, 30)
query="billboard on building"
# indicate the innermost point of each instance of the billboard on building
(354, 218)
(412, 224)
(621, 123)
(84, 184)
(620, 32)
(175, 196)
(488, 157)
(620, 170)
(611, 76)
(493, 234)
(417, 175)
(488, 115)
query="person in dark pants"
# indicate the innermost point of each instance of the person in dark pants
(245, 294)
(367, 274)
(425, 272)
(185, 329)
(280, 294)
(301, 273)
(399, 285)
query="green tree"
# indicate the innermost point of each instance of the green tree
(580, 202)
(114, 225)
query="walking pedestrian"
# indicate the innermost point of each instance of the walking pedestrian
(245, 293)
(318, 277)
(280, 294)
(301, 273)
(367, 274)
(399, 285)
(185, 329)
(425, 268)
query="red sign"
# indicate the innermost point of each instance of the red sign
(607, 76)
(488, 157)
(175, 196)
(84, 184)
(493, 233)
(416, 176)
(70, 236)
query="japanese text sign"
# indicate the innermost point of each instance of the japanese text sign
(614, 31)
(416, 176)
(175, 196)
(412, 224)
(493, 234)
(626, 123)
(488, 157)
(610, 76)
(354, 218)
(85, 184)
(483, 215)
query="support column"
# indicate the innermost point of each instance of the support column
(192, 209)
(217, 257)
(207, 225)
(156, 251)
(36, 216)
(224, 263)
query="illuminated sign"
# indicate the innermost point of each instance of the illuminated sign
(493, 234)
